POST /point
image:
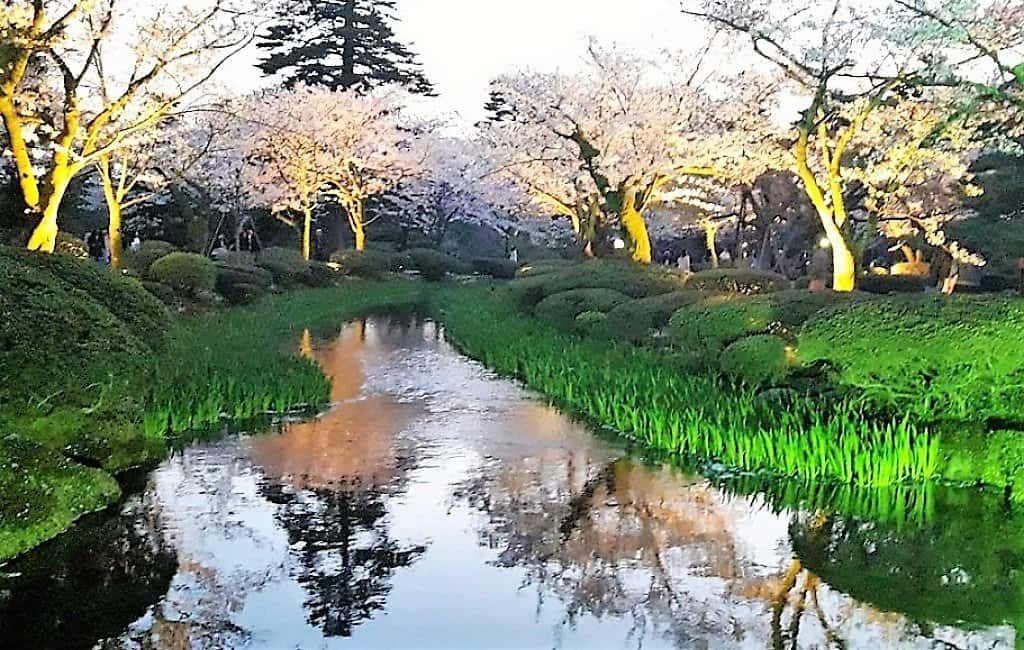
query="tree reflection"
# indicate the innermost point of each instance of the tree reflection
(679, 558)
(331, 479)
(86, 585)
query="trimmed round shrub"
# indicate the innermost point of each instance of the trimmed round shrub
(960, 354)
(371, 264)
(747, 282)
(139, 261)
(496, 267)
(561, 309)
(241, 284)
(634, 280)
(884, 284)
(636, 320)
(435, 265)
(712, 324)
(588, 321)
(285, 264)
(125, 298)
(319, 276)
(756, 360)
(186, 273)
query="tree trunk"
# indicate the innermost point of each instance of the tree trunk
(44, 236)
(844, 267)
(636, 228)
(711, 237)
(307, 233)
(113, 215)
(356, 220)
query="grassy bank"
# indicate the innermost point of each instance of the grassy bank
(104, 374)
(658, 397)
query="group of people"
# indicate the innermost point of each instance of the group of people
(97, 245)
(248, 242)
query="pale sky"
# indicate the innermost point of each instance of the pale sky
(462, 44)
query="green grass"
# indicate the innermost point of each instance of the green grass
(242, 363)
(653, 399)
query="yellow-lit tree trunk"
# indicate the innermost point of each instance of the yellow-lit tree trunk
(633, 222)
(832, 215)
(114, 211)
(44, 235)
(711, 240)
(307, 233)
(357, 221)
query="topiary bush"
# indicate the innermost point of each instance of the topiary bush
(370, 264)
(434, 265)
(635, 321)
(634, 280)
(161, 292)
(747, 282)
(589, 321)
(139, 261)
(561, 309)
(955, 357)
(70, 245)
(319, 275)
(186, 273)
(125, 298)
(712, 324)
(286, 264)
(756, 360)
(241, 284)
(496, 267)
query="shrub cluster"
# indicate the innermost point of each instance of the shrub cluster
(435, 265)
(634, 280)
(737, 281)
(756, 360)
(562, 309)
(242, 283)
(286, 265)
(496, 267)
(637, 320)
(185, 273)
(953, 356)
(139, 261)
(370, 264)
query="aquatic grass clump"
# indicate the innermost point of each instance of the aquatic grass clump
(654, 399)
(243, 363)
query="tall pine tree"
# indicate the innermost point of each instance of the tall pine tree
(340, 44)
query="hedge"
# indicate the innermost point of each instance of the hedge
(139, 261)
(712, 324)
(562, 309)
(496, 267)
(286, 264)
(635, 321)
(186, 273)
(634, 280)
(369, 264)
(241, 284)
(435, 265)
(955, 357)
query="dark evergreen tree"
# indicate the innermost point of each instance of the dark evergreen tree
(340, 44)
(498, 108)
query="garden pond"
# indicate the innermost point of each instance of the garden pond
(436, 505)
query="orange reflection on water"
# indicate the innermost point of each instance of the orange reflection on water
(353, 444)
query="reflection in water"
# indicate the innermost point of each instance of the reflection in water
(436, 506)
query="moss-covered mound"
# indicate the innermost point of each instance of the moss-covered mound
(43, 493)
(59, 334)
(638, 320)
(756, 360)
(738, 281)
(947, 357)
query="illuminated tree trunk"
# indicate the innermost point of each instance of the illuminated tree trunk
(635, 226)
(357, 221)
(307, 233)
(113, 214)
(844, 267)
(711, 239)
(44, 236)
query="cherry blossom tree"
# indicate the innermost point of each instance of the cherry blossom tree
(312, 145)
(599, 147)
(79, 78)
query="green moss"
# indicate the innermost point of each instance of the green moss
(737, 281)
(561, 309)
(42, 493)
(756, 360)
(941, 357)
(186, 273)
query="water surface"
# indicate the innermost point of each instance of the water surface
(438, 506)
